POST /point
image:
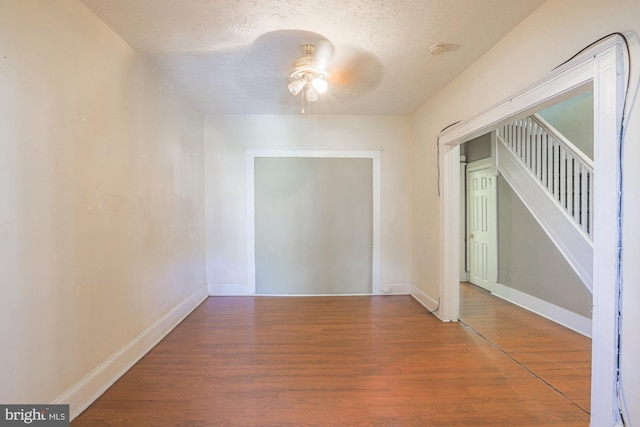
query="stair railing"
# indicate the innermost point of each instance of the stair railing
(558, 165)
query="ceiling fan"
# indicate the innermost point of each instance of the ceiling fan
(308, 75)
(282, 63)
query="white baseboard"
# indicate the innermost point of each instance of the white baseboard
(559, 315)
(429, 303)
(220, 289)
(562, 316)
(388, 289)
(397, 289)
(92, 386)
(410, 289)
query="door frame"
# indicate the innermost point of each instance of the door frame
(481, 165)
(253, 153)
(604, 67)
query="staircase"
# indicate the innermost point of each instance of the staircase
(554, 179)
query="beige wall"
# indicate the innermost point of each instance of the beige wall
(226, 139)
(102, 180)
(524, 56)
(101, 176)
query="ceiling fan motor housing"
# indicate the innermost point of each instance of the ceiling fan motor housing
(306, 72)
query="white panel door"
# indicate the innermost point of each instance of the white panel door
(481, 228)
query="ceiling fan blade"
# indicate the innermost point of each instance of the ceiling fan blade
(324, 53)
(263, 69)
(355, 72)
(269, 59)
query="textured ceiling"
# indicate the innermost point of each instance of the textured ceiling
(233, 56)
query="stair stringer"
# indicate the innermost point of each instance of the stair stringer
(572, 243)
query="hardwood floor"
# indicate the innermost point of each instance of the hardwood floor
(559, 356)
(373, 361)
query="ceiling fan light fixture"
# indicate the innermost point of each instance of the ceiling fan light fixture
(310, 94)
(296, 86)
(320, 85)
(307, 74)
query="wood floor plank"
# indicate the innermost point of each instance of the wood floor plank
(558, 355)
(382, 360)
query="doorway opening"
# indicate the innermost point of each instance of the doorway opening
(515, 277)
(602, 66)
(508, 243)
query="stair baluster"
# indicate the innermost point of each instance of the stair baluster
(559, 166)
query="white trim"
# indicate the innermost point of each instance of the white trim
(376, 277)
(464, 248)
(333, 153)
(387, 289)
(82, 394)
(602, 66)
(481, 164)
(449, 309)
(251, 220)
(494, 157)
(253, 153)
(561, 84)
(427, 302)
(608, 96)
(559, 315)
(397, 289)
(221, 289)
(309, 295)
